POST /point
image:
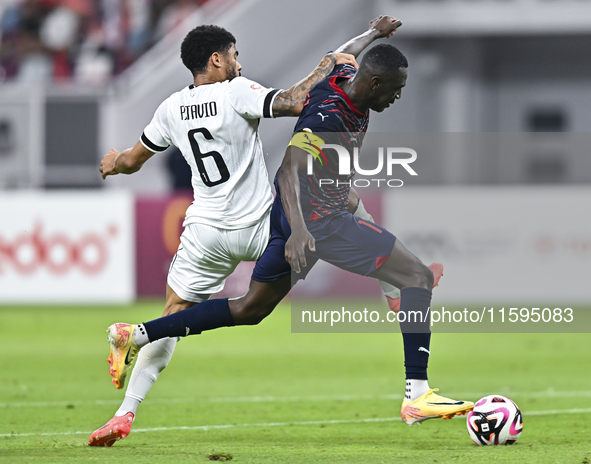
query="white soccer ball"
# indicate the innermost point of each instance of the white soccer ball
(495, 420)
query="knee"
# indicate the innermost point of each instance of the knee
(418, 275)
(424, 276)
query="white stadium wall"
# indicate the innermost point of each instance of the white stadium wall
(499, 245)
(60, 247)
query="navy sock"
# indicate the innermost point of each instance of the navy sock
(207, 315)
(416, 331)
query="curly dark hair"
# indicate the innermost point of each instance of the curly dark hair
(200, 43)
(384, 58)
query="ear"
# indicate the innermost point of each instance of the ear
(374, 83)
(216, 60)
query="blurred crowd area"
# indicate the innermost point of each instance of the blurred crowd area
(83, 41)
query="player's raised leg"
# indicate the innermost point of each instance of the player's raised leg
(391, 292)
(151, 361)
(407, 272)
(250, 309)
(270, 283)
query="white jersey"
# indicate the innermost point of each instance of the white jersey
(215, 126)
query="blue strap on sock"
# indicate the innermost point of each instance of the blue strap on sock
(207, 315)
(416, 335)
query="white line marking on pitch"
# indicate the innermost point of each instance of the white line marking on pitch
(284, 424)
(288, 399)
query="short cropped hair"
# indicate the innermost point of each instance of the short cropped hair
(200, 43)
(384, 58)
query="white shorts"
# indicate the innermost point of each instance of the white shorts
(208, 255)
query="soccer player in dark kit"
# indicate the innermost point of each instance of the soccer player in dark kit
(310, 221)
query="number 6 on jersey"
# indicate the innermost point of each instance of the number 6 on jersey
(200, 157)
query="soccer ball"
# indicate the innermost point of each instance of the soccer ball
(495, 420)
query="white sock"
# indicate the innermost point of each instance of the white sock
(388, 289)
(140, 336)
(151, 360)
(415, 388)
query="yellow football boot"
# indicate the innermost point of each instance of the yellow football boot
(432, 406)
(123, 352)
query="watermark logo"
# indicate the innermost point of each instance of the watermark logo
(346, 162)
(345, 159)
(387, 158)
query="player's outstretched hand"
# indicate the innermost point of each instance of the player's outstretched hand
(295, 249)
(345, 58)
(108, 163)
(385, 26)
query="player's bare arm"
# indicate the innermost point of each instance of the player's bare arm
(294, 162)
(125, 162)
(291, 101)
(379, 28)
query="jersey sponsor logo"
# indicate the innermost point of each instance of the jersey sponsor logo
(255, 87)
(323, 116)
(202, 110)
(58, 253)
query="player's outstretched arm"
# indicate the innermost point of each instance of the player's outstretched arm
(379, 28)
(291, 101)
(126, 162)
(294, 162)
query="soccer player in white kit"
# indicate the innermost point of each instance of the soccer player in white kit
(214, 122)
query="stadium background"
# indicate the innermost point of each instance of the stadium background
(511, 224)
(476, 67)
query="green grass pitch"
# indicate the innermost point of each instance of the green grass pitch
(265, 395)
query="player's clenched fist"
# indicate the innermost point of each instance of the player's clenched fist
(385, 25)
(108, 163)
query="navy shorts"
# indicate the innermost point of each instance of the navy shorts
(342, 239)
